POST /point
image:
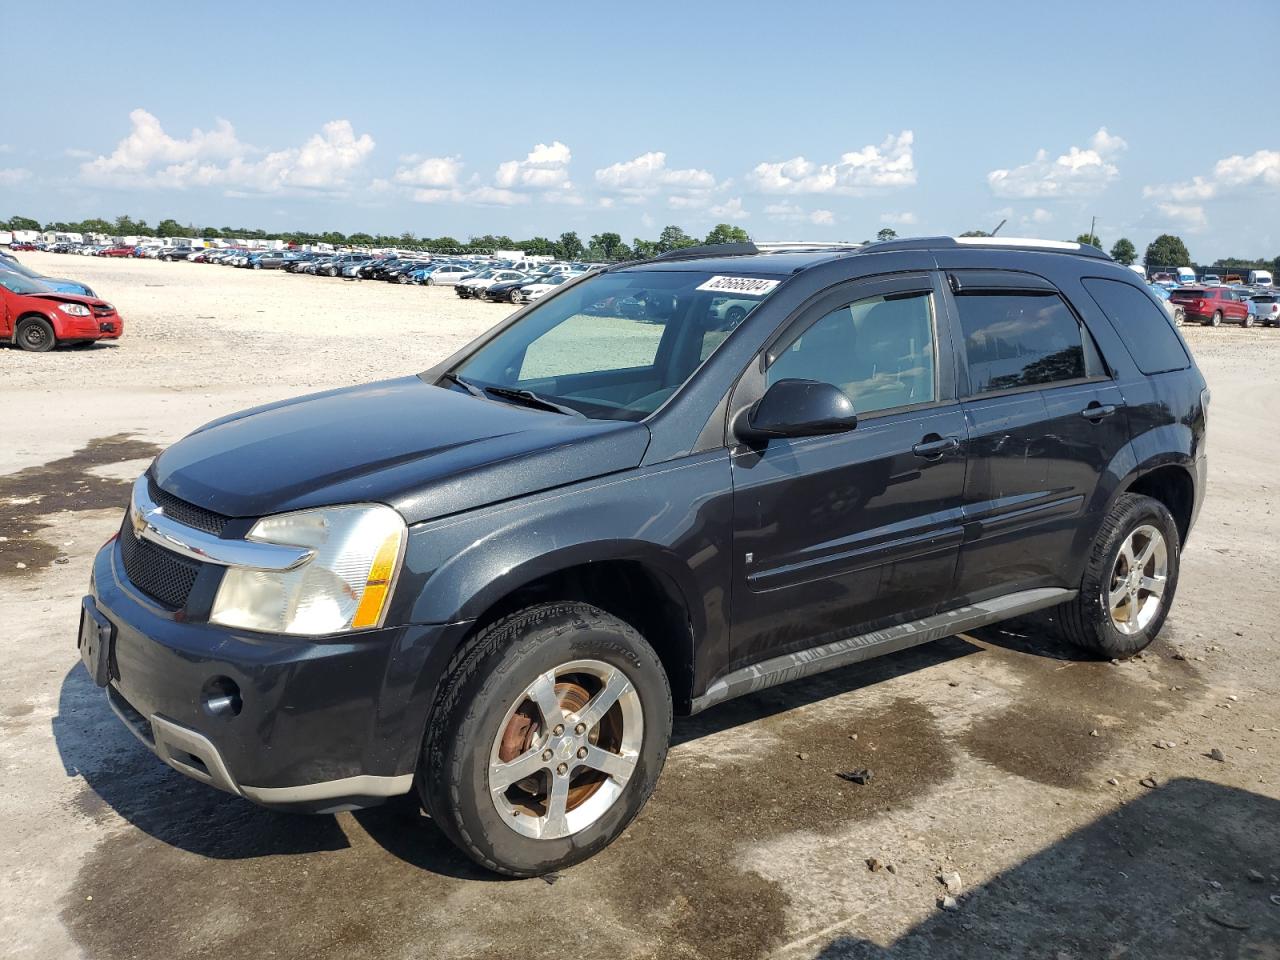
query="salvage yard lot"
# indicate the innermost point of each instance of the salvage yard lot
(992, 755)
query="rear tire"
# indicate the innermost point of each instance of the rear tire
(1216, 319)
(488, 718)
(35, 335)
(1129, 580)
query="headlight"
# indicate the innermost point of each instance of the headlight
(346, 585)
(74, 309)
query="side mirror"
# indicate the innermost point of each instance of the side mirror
(797, 408)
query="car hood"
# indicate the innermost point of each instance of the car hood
(59, 297)
(425, 450)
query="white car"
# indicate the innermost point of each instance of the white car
(448, 274)
(533, 291)
(477, 285)
(1265, 309)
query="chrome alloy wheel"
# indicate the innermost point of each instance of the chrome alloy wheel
(1138, 580)
(565, 750)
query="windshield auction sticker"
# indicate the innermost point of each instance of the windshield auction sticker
(740, 286)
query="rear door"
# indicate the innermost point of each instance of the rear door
(1044, 419)
(838, 535)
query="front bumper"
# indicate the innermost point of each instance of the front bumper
(319, 725)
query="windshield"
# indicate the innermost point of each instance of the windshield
(17, 283)
(617, 345)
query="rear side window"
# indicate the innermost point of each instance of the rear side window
(1144, 327)
(1020, 338)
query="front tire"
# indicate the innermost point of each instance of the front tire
(550, 731)
(35, 335)
(1129, 580)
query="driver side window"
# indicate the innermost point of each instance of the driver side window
(878, 350)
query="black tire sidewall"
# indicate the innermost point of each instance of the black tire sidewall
(50, 338)
(1131, 512)
(528, 644)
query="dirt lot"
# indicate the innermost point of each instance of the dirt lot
(999, 756)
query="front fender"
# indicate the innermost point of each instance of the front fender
(673, 518)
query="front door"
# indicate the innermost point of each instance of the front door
(838, 535)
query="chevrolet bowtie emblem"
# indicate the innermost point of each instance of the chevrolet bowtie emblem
(138, 521)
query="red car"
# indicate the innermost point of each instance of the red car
(20, 245)
(37, 318)
(1212, 305)
(117, 252)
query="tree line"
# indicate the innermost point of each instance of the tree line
(1167, 250)
(568, 246)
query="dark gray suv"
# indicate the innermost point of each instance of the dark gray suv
(663, 485)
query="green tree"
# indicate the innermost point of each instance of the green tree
(888, 233)
(610, 245)
(1124, 251)
(727, 233)
(673, 238)
(23, 223)
(1091, 239)
(975, 233)
(569, 247)
(170, 228)
(644, 249)
(1167, 250)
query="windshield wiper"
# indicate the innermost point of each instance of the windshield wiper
(466, 385)
(531, 399)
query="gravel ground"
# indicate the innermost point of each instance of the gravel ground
(999, 756)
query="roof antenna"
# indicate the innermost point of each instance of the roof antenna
(998, 226)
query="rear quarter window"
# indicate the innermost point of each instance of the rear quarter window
(1144, 327)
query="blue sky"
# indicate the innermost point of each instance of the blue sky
(795, 120)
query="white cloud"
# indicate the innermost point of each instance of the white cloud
(430, 172)
(78, 154)
(13, 176)
(1259, 169)
(546, 167)
(1190, 217)
(648, 174)
(1075, 173)
(891, 164)
(1040, 215)
(906, 218)
(794, 213)
(149, 157)
(731, 209)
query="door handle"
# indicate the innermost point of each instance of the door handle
(1095, 411)
(933, 446)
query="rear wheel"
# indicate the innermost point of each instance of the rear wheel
(550, 732)
(1129, 580)
(1216, 319)
(1179, 316)
(35, 334)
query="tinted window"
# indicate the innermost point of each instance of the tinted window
(1144, 327)
(879, 351)
(1019, 338)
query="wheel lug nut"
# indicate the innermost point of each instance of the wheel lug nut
(562, 769)
(580, 729)
(559, 730)
(582, 753)
(546, 754)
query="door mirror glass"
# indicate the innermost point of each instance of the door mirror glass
(797, 408)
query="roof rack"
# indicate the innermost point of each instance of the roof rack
(785, 246)
(710, 250)
(749, 248)
(1015, 243)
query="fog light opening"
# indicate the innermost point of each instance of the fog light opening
(221, 697)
